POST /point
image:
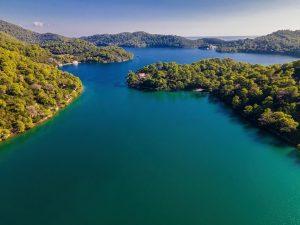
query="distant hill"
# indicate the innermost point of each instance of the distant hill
(27, 35)
(19, 32)
(280, 42)
(141, 40)
(224, 38)
(68, 49)
(99, 47)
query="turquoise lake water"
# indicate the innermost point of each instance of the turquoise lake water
(118, 156)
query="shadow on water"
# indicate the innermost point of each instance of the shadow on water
(253, 131)
(168, 95)
(258, 134)
(295, 155)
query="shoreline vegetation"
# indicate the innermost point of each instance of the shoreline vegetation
(282, 42)
(45, 119)
(268, 96)
(106, 48)
(67, 50)
(32, 90)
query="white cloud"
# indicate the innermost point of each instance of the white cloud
(38, 24)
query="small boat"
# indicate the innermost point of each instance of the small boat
(75, 63)
(199, 90)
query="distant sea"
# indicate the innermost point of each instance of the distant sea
(225, 38)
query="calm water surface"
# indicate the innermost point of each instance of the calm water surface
(123, 157)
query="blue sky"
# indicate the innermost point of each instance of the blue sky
(182, 17)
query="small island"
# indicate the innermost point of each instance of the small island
(269, 96)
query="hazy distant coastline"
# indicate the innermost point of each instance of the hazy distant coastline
(224, 38)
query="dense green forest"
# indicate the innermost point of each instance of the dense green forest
(267, 95)
(280, 42)
(65, 49)
(80, 50)
(91, 48)
(31, 89)
(143, 39)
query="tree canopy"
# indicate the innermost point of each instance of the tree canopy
(268, 95)
(280, 42)
(142, 39)
(66, 49)
(31, 90)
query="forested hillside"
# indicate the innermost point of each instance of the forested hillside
(267, 95)
(31, 91)
(80, 50)
(67, 49)
(280, 42)
(141, 40)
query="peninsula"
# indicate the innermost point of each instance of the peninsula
(267, 95)
(31, 89)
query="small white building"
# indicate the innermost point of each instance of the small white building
(142, 75)
(211, 47)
